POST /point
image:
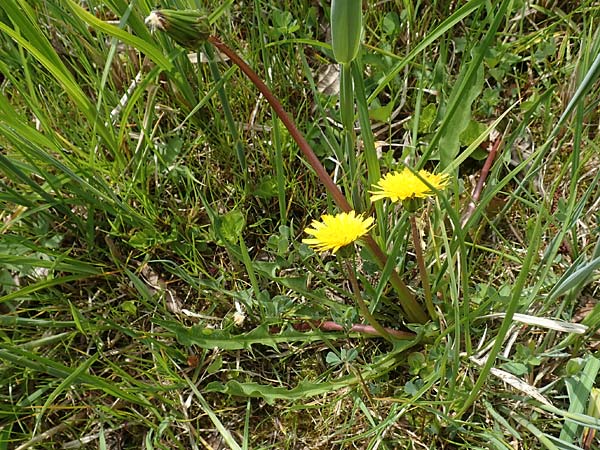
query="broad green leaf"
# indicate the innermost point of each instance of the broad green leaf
(381, 113)
(209, 338)
(578, 389)
(215, 366)
(231, 226)
(306, 389)
(465, 91)
(272, 393)
(472, 133)
(427, 118)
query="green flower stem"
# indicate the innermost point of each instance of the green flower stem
(364, 310)
(421, 263)
(368, 140)
(348, 136)
(279, 171)
(346, 97)
(413, 310)
(411, 307)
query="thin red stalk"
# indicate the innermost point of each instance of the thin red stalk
(482, 177)
(411, 307)
(328, 325)
(365, 329)
(310, 156)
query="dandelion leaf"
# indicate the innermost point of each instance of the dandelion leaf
(205, 337)
(305, 389)
(467, 88)
(272, 393)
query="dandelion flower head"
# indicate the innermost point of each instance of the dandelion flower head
(403, 185)
(335, 232)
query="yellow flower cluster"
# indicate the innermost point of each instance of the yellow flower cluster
(398, 186)
(336, 231)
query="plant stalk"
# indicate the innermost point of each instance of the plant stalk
(364, 310)
(239, 149)
(422, 268)
(348, 141)
(408, 302)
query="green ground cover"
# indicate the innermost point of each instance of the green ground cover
(155, 289)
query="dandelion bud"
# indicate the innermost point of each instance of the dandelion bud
(346, 29)
(188, 27)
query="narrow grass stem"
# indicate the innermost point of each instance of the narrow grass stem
(251, 274)
(239, 149)
(364, 310)
(276, 133)
(368, 140)
(280, 172)
(511, 309)
(413, 310)
(421, 264)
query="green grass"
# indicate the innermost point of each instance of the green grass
(154, 289)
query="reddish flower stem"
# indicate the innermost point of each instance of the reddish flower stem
(411, 307)
(305, 148)
(328, 325)
(480, 183)
(365, 329)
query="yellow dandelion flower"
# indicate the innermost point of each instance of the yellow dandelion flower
(335, 232)
(404, 185)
